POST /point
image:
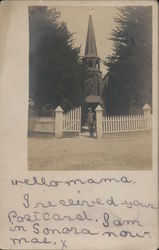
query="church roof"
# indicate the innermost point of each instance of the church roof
(93, 99)
(90, 49)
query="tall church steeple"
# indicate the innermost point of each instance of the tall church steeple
(90, 49)
(94, 84)
(91, 58)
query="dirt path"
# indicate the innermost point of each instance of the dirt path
(83, 153)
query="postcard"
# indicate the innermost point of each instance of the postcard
(79, 125)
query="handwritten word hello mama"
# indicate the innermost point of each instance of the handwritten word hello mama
(54, 183)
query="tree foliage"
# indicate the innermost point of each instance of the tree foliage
(56, 71)
(130, 65)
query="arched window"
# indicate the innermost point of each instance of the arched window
(90, 63)
(97, 64)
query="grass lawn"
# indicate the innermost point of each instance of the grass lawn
(84, 153)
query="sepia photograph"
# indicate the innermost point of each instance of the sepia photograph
(79, 124)
(90, 88)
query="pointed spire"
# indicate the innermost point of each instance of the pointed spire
(90, 49)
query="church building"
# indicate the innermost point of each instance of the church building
(94, 83)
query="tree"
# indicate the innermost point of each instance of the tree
(130, 65)
(55, 67)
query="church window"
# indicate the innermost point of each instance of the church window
(90, 63)
(97, 64)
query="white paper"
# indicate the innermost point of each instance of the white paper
(99, 209)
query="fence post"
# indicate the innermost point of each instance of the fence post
(59, 122)
(99, 118)
(147, 115)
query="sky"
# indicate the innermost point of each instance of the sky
(76, 19)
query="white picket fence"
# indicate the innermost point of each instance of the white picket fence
(72, 120)
(112, 124)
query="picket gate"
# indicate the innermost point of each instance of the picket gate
(72, 120)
